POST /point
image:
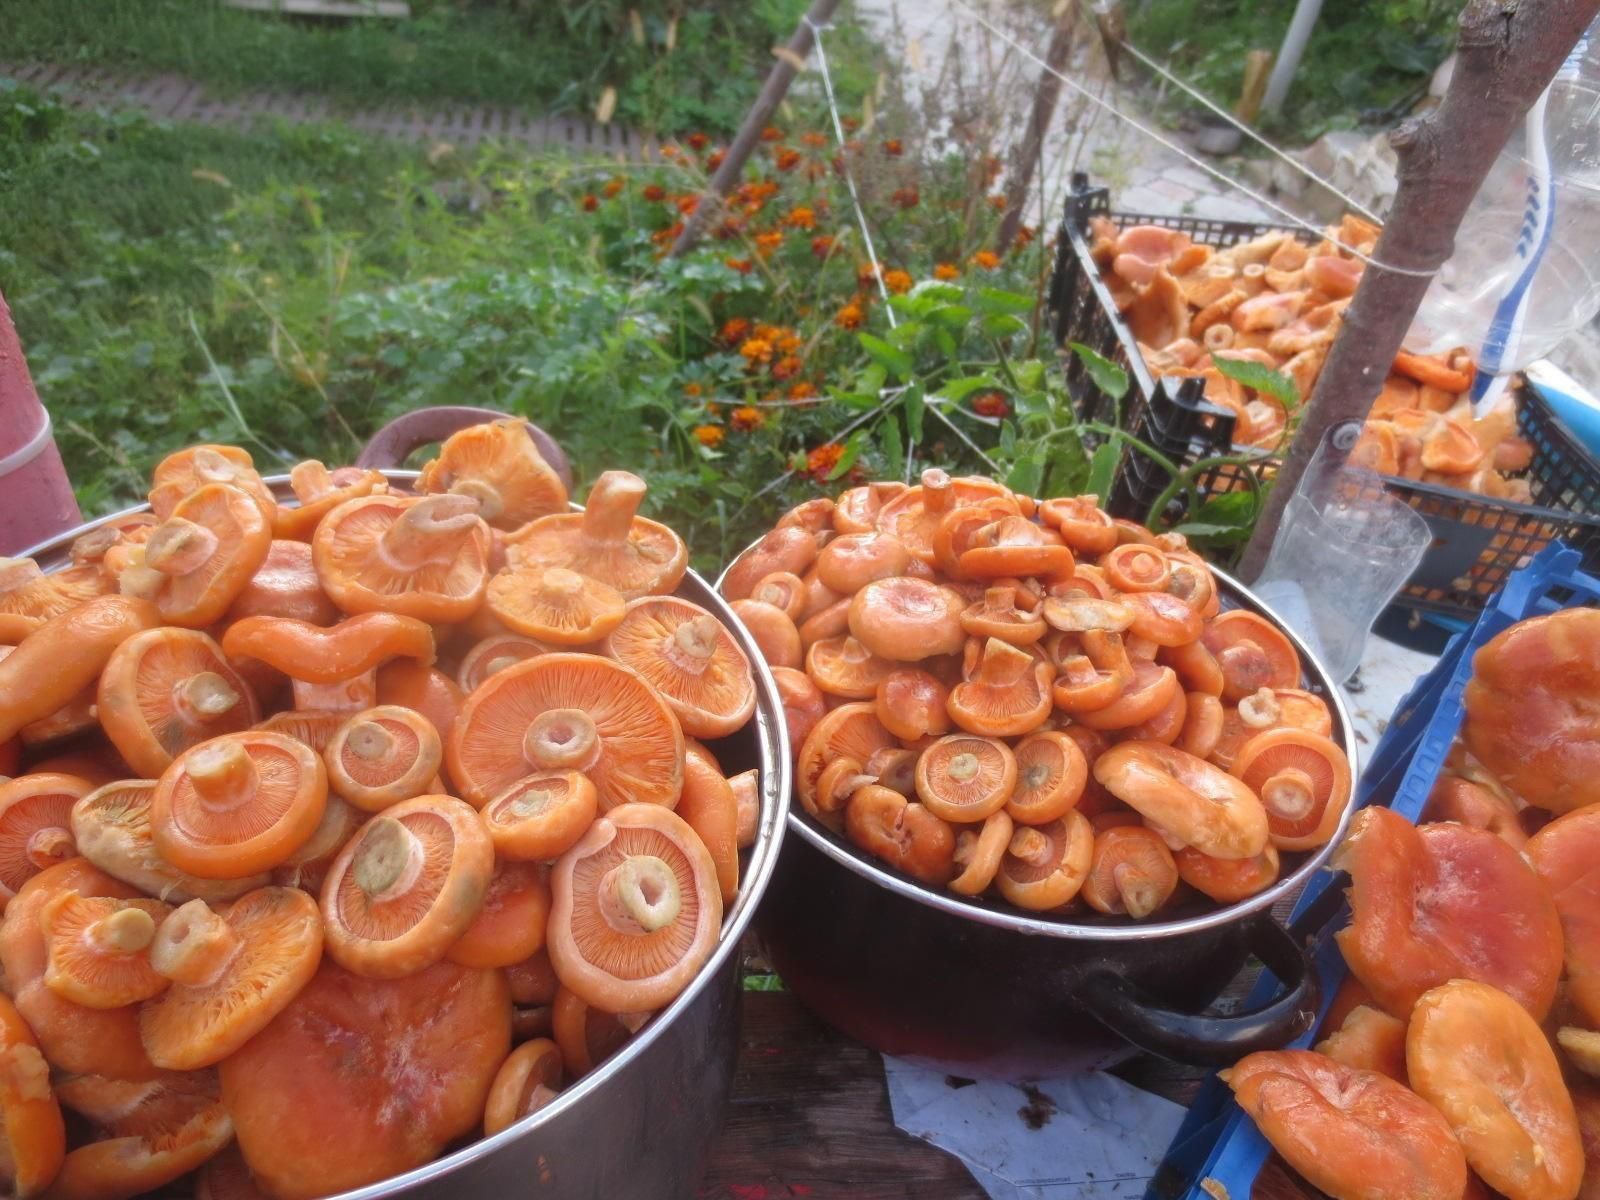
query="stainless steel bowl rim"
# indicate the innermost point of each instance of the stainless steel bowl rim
(772, 735)
(800, 825)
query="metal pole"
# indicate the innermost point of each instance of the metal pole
(1294, 45)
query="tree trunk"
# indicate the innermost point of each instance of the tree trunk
(1508, 52)
(773, 91)
(1044, 111)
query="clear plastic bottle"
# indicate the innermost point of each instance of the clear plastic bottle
(1525, 273)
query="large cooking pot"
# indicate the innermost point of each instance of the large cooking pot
(977, 988)
(641, 1125)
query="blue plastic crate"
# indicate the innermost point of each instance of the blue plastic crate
(1217, 1143)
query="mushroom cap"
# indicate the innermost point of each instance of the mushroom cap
(1045, 865)
(908, 619)
(978, 854)
(1132, 873)
(312, 654)
(607, 541)
(638, 861)
(527, 1081)
(803, 702)
(906, 835)
(29, 598)
(165, 690)
(1252, 652)
(1052, 773)
(313, 729)
(533, 980)
(774, 633)
(856, 510)
(964, 778)
(361, 1079)
(495, 653)
(1228, 880)
(203, 555)
(842, 666)
(1081, 522)
(849, 731)
(957, 531)
(1135, 567)
(997, 615)
(278, 944)
(1150, 689)
(787, 548)
(1303, 780)
(383, 756)
(424, 557)
(111, 827)
(1007, 697)
(1202, 724)
(285, 585)
(691, 660)
(31, 1129)
(406, 887)
(710, 808)
(1016, 546)
(588, 1035)
(98, 949)
(746, 787)
(1196, 667)
(540, 817)
(319, 491)
(308, 866)
(1162, 618)
(238, 804)
(913, 515)
(499, 465)
(852, 560)
(1196, 803)
(555, 605)
(510, 927)
(422, 689)
(36, 826)
(911, 704)
(637, 744)
(785, 590)
(186, 471)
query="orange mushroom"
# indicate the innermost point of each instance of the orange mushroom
(839, 780)
(785, 590)
(1189, 799)
(789, 548)
(165, 690)
(902, 833)
(36, 826)
(1094, 675)
(98, 949)
(1016, 546)
(1203, 722)
(1252, 653)
(226, 1176)
(814, 515)
(911, 703)
(908, 619)
(637, 910)
(1008, 696)
(709, 808)
(232, 972)
(1136, 568)
(76, 717)
(64, 656)
(313, 729)
(198, 560)
(406, 887)
(238, 804)
(184, 472)
(383, 756)
(320, 491)
(913, 515)
(978, 854)
(1080, 521)
(895, 768)
(1167, 724)
(541, 817)
(427, 690)
(425, 557)
(998, 615)
(774, 633)
(1303, 780)
(803, 703)
(308, 866)
(569, 712)
(1051, 775)
(555, 605)
(850, 731)
(833, 620)
(29, 597)
(964, 779)
(1163, 619)
(527, 1081)
(1045, 865)
(33, 1138)
(746, 787)
(361, 1079)
(607, 541)
(695, 664)
(1131, 873)
(285, 585)
(958, 530)
(852, 560)
(510, 926)
(843, 667)
(495, 653)
(588, 1035)
(1228, 880)
(1149, 691)
(498, 465)
(332, 668)
(1196, 667)
(856, 510)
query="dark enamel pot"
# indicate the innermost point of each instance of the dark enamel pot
(978, 988)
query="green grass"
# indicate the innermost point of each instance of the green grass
(1366, 58)
(699, 71)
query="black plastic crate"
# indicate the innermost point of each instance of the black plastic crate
(1478, 541)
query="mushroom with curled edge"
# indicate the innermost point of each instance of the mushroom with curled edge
(911, 703)
(495, 653)
(803, 703)
(1007, 696)
(197, 561)
(383, 755)
(184, 472)
(1094, 671)
(1016, 546)
(710, 808)
(1081, 522)
(1045, 865)
(903, 833)
(746, 787)
(959, 528)
(1202, 724)
(1131, 873)
(500, 466)
(997, 615)
(1303, 780)
(333, 669)
(320, 491)
(29, 597)
(908, 619)
(527, 1081)
(785, 590)
(852, 560)
(1051, 775)
(978, 853)
(775, 635)
(540, 817)
(1193, 802)
(285, 585)
(32, 1133)
(36, 826)
(412, 684)
(964, 778)
(687, 655)
(843, 667)
(425, 557)
(788, 549)
(98, 949)
(1252, 652)
(1228, 880)
(913, 515)
(588, 1035)
(856, 510)
(555, 605)
(1149, 691)
(510, 927)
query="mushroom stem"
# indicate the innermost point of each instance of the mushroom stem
(1259, 710)
(500, 663)
(641, 890)
(966, 847)
(205, 697)
(938, 490)
(962, 767)
(179, 546)
(428, 531)
(490, 504)
(126, 931)
(560, 584)
(223, 774)
(562, 739)
(369, 740)
(1031, 846)
(389, 860)
(136, 579)
(1139, 893)
(615, 498)
(1002, 664)
(214, 468)
(1289, 793)
(310, 481)
(691, 645)
(16, 573)
(194, 946)
(50, 845)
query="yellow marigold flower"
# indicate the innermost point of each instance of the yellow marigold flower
(709, 436)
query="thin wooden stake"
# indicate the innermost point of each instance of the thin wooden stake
(1044, 111)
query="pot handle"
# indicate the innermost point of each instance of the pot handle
(1128, 1011)
(391, 445)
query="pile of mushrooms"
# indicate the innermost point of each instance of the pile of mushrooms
(988, 691)
(311, 812)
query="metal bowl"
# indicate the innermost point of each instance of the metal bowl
(641, 1125)
(977, 987)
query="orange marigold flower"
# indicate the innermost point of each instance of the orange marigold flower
(669, 151)
(894, 148)
(741, 265)
(713, 409)
(665, 237)
(714, 159)
(710, 436)
(849, 317)
(787, 159)
(788, 342)
(822, 245)
(693, 389)
(801, 218)
(747, 417)
(772, 134)
(735, 330)
(687, 204)
(591, 202)
(906, 197)
(1025, 235)
(814, 140)
(787, 367)
(768, 242)
(946, 272)
(654, 192)
(823, 460)
(698, 141)
(613, 186)
(804, 390)
(866, 275)
(991, 404)
(756, 350)
(986, 260)
(897, 281)
(767, 333)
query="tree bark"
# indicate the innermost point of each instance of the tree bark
(1508, 52)
(1044, 111)
(773, 91)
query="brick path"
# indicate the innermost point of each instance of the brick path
(173, 97)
